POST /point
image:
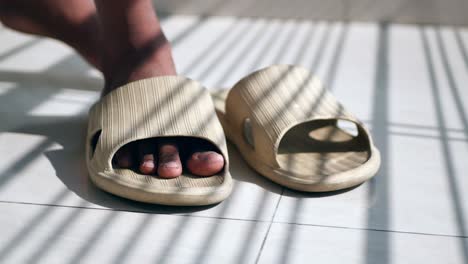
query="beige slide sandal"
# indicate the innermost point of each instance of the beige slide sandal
(290, 129)
(165, 106)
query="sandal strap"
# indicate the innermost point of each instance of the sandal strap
(155, 107)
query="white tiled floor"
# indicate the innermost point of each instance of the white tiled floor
(406, 82)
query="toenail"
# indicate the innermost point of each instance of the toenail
(210, 156)
(148, 163)
(171, 165)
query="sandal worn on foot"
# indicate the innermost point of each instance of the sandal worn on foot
(168, 106)
(287, 127)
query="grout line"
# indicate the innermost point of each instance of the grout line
(239, 219)
(269, 227)
(135, 211)
(372, 229)
(405, 134)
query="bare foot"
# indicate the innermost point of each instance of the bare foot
(135, 48)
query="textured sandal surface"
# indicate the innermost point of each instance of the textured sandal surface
(156, 107)
(287, 127)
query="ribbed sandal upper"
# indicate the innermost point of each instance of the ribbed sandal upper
(278, 98)
(155, 107)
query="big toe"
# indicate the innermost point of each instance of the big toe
(205, 163)
(169, 165)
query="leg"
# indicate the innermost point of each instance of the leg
(134, 47)
(67, 21)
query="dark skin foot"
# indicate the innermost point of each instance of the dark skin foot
(131, 46)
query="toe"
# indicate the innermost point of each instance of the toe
(147, 158)
(169, 161)
(205, 163)
(123, 157)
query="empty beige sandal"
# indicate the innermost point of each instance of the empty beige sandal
(156, 107)
(288, 127)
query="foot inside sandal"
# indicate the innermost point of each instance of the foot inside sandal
(132, 113)
(185, 147)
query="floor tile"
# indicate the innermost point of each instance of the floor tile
(311, 244)
(417, 115)
(48, 234)
(415, 196)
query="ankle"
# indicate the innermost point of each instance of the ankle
(136, 62)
